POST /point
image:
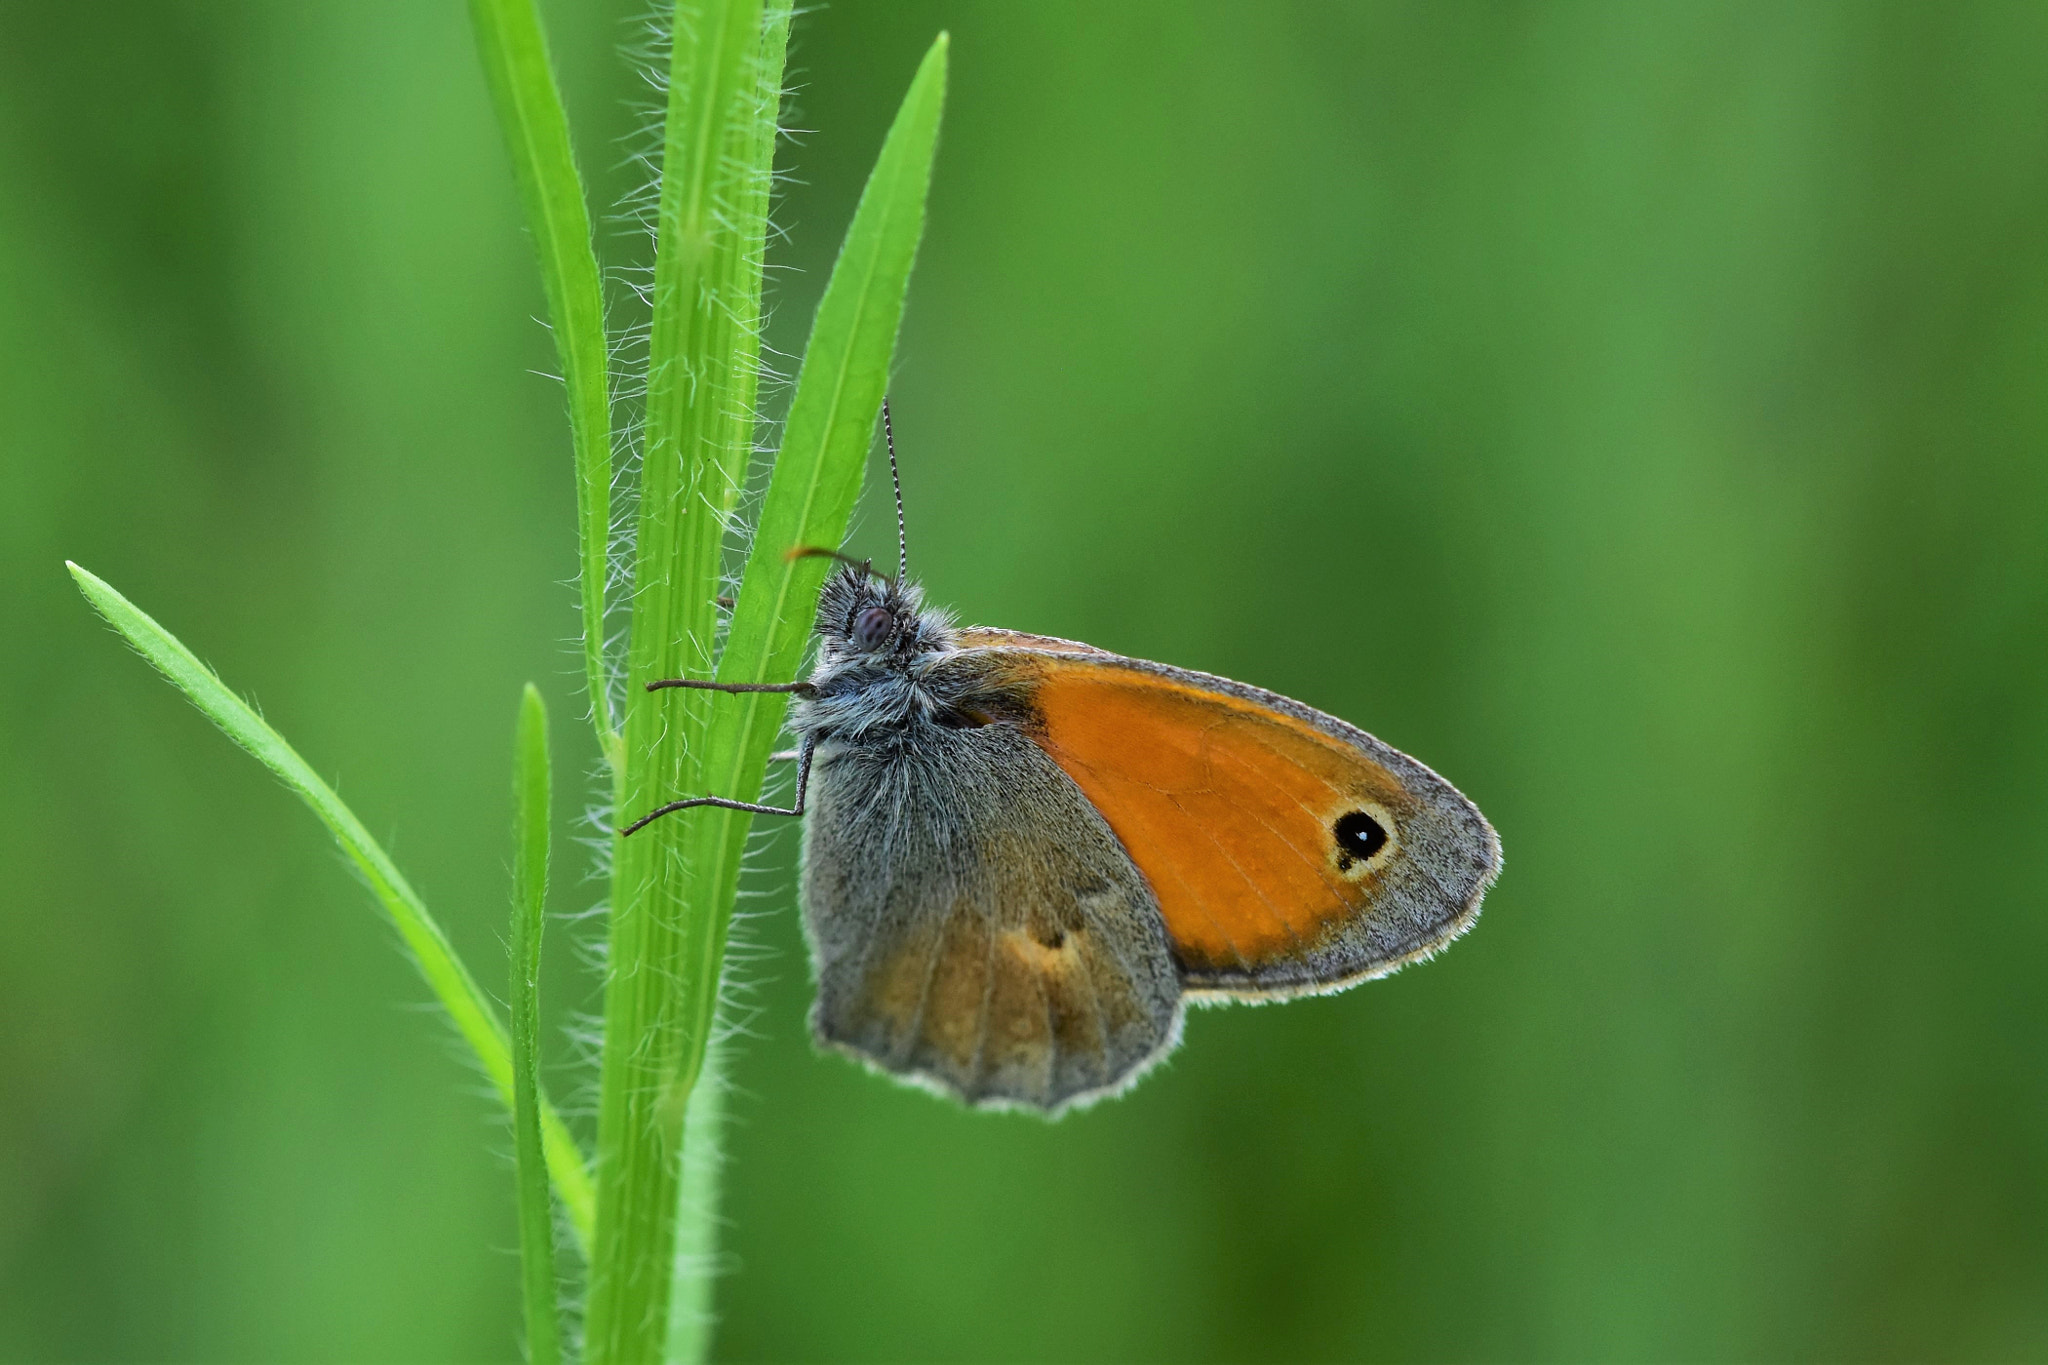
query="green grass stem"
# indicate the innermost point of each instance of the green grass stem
(530, 814)
(810, 499)
(673, 893)
(536, 127)
(690, 1317)
(725, 76)
(457, 990)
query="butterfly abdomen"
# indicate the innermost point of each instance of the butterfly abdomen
(976, 926)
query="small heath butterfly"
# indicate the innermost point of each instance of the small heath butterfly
(1023, 856)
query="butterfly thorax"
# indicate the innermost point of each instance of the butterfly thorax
(884, 662)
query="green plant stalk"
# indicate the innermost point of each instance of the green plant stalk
(690, 1318)
(810, 500)
(810, 497)
(536, 127)
(450, 981)
(724, 84)
(695, 1259)
(530, 815)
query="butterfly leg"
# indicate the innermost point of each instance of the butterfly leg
(803, 784)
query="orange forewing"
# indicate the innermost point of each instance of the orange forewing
(1226, 805)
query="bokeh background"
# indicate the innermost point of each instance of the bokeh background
(1637, 412)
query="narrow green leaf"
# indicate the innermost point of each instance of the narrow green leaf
(810, 499)
(451, 982)
(691, 1319)
(530, 814)
(515, 58)
(725, 77)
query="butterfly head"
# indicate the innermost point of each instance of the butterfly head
(863, 615)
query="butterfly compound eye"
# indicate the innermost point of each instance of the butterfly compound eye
(872, 627)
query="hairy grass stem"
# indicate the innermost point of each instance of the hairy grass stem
(531, 807)
(724, 85)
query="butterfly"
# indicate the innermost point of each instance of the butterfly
(1024, 856)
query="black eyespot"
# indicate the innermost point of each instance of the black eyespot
(1359, 836)
(873, 626)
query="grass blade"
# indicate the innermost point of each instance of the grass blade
(515, 58)
(451, 982)
(810, 499)
(530, 804)
(725, 75)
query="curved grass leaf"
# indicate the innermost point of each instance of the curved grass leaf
(515, 57)
(451, 982)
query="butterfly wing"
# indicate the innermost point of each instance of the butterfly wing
(976, 926)
(1289, 852)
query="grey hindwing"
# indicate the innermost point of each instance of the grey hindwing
(975, 925)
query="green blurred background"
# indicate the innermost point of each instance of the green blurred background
(1636, 412)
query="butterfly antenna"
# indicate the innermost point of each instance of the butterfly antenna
(902, 537)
